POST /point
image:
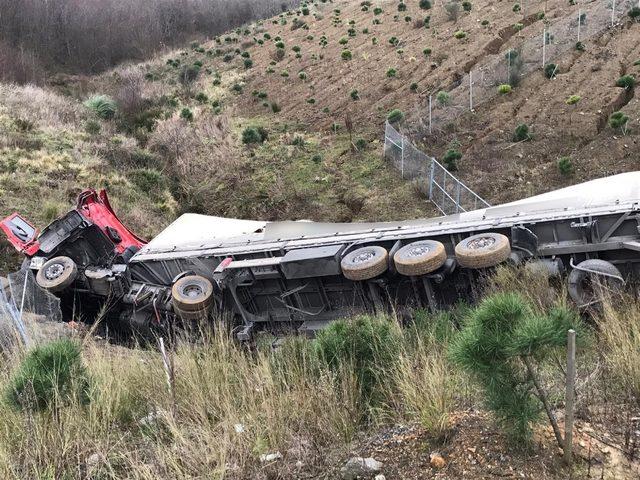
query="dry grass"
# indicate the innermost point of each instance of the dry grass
(619, 334)
(230, 406)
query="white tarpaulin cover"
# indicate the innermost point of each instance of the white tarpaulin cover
(203, 231)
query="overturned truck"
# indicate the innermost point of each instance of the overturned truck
(298, 276)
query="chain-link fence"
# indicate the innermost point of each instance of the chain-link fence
(544, 42)
(23, 301)
(446, 192)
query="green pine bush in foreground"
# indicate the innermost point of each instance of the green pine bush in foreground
(49, 376)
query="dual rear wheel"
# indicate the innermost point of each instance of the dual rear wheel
(426, 256)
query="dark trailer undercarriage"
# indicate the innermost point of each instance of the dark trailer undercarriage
(298, 276)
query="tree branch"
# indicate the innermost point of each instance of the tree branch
(543, 398)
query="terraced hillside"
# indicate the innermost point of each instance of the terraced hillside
(283, 118)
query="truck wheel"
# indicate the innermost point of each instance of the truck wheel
(190, 316)
(365, 263)
(581, 280)
(483, 250)
(192, 293)
(57, 274)
(420, 258)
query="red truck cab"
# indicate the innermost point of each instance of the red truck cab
(87, 237)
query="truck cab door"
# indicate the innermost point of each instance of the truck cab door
(20, 233)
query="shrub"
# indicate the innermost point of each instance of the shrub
(573, 99)
(102, 105)
(311, 101)
(443, 98)
(516, 8)
(343, 41)
(565, 166)
(634, 13)
(626, 81)
(227, 58)
(504, 88)
(394, 41)
(450, 159)
(236, 88)
(201, 97)
(619, 120)
(392, 72)
(500, 344)
(550, 70)
(484, 23)
(279, 44)
(295, 48)
(413, 87)
(188, 74)
(252, 135)
(275, 108)
(146, 179)
(407, 19)
(377, 11)
(521, 133)
(361, 144)
(284, 73)
(466, 6)
(370, 346)
(92, 127)
(355, 95)
(460, 34)
(426, 52)
(186, 114)
(402, 7)
(452, 9)
(346, 55)
(395, 116)
(248, 63)
(49, 376)
(580, 46)
(425, 4)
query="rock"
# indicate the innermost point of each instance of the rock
(380, 477)
(153, 418)
(239, 428)
(360, 467)
(270, 457)
(93, 461)
(437, 461)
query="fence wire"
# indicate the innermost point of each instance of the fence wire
(444, 190)
(543, 44)
(22, 301)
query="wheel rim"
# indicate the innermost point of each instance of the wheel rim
(418, 251)
(481, 242)
(192, 291)
(54, 271)
(363, 257)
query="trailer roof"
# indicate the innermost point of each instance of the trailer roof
(202, 232)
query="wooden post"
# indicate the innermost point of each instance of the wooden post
(569, 396)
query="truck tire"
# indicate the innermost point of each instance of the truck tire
(190, 316)
(192, 293)
(365, 263)
(57, 274)
(580, 282)
(483, 250)
(420, 258)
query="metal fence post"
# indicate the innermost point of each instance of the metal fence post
(613, 12)
(579, 22)
(470, 90)
(431, 180)
(402, 157)
(458, 199)
(544, 47)
(430, 129)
